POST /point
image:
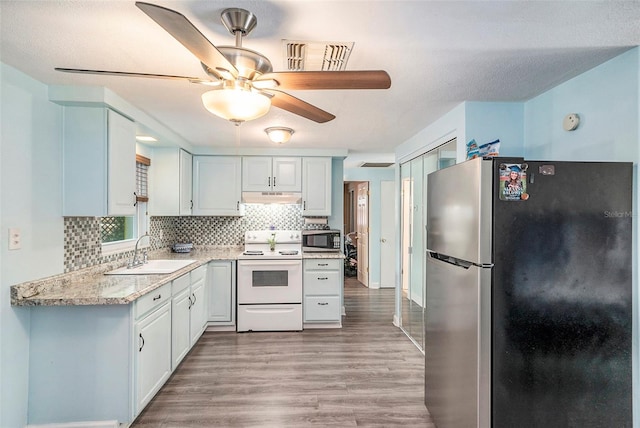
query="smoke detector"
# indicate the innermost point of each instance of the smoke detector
(316, 56)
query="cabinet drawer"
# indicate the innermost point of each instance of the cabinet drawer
(321, 282)
(322, 264)
(322, 308)
(198, 273)
(153, 299)
(180, 284)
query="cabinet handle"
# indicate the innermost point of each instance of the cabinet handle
(158, 297)
(323, 303)
(322, 278)
(135, 199)
(191, 203)
(190, 302)
(269, 181)
(238, 206)
(194, 298)
(304, 205)
(323, 264)
(141, 346)
(274, 182)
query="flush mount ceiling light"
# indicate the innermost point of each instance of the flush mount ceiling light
(279, 134)
(145, 138)
(236, 102)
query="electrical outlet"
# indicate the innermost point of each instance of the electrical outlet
(15, 239)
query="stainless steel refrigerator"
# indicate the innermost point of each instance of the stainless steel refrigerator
(529, 294)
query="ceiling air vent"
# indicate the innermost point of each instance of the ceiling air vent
(376, 164)
(316, 56)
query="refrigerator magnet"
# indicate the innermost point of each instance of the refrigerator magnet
(513, 182)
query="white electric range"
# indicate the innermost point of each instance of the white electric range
(270, 281)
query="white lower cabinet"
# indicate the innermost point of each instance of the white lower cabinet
(153, 353)
(221, 293)
(188, 305)
(322, 288)
(106, 362)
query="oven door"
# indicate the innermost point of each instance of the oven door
(269, 281)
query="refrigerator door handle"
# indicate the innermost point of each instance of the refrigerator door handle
(457, 262)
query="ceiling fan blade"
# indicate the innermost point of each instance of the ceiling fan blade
(311, 80)
(186, 33)
(130, 74)
(297, 106)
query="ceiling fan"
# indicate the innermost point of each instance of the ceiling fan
(243, 82)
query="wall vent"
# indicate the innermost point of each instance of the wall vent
(316, 56)
(376, 164)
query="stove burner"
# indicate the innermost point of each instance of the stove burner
(253, 253)
(288, 252)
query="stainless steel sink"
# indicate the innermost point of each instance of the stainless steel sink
(152, 267)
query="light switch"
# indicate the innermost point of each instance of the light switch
(15, 239)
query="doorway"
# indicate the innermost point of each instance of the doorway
(356, 230)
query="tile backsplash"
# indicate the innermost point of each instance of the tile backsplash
(82, 246)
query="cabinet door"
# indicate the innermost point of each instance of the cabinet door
(153, 354)
(217, 186)
(164, 186)
(198, 310)
(220, 292)
(316, 186)
(256, 174)
(180, 323)
(287, 175)
(121, 165)
(186, 177)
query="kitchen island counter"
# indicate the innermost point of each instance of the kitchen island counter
(90, 286)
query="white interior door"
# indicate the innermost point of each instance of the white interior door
(363, 233)
(387, 235)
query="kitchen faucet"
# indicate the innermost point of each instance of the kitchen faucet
(134, 261)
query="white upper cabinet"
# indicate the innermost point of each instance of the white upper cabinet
(99, 163)
(186, 183)
(267, 174)
(316, 189)
(217, 186)
(170, 187)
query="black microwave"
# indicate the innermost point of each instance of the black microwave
(321, 240)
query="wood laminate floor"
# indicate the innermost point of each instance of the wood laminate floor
(366, 374)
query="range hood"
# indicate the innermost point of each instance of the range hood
(272, 198)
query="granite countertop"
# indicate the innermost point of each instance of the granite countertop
(91, 287)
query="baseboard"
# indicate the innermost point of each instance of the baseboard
(396, 321)
(310, 326)
(374, 285)
(344, 312)
(221, 328)
(87, 424)
(387, 286)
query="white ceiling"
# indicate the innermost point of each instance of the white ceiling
(438, 54)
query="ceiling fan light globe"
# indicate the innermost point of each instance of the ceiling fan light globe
(236, 105)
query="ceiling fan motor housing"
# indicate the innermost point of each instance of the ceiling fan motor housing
(239, 20)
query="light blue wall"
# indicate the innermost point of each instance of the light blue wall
(606, 100)
(486, 122)
(31, 199)
(337, 199)
(374, 176)
(451, 125)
